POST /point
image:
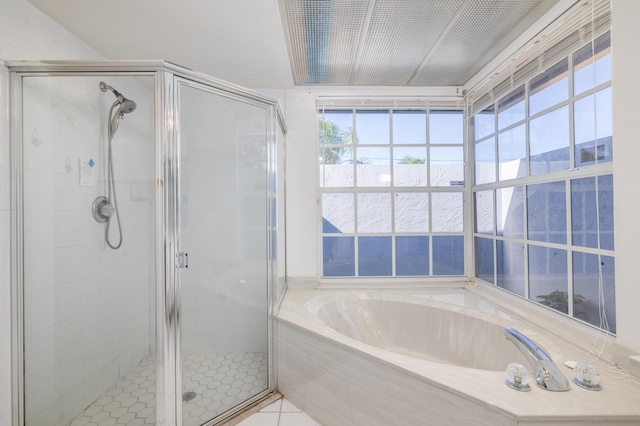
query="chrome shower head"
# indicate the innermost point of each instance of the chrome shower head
(126, 106)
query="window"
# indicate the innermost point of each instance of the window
(391, 183)
(543, 190)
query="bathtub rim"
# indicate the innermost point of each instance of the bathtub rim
(511, 404)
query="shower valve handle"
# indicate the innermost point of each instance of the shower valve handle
(102, 209)
(107, 210)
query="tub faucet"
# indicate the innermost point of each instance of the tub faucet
(548, 375)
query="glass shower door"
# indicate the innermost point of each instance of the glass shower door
(89, 309)
(223, 145)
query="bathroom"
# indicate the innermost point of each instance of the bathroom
(26, 33)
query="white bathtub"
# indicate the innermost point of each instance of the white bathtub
(430, 357)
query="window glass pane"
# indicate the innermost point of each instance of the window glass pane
(374, 256)
(338, 257)
(511, 108)
(409, 127)
(335, 127)
(548, 283)
(374, 213)
(337, 213)
(484, 260)
(605, 204)
(584, 76)
(446, 166)
(412, 212)
(593, 129)
(510, 264)
(547, 212)
(372, 127)
(583, 212)
(549, 88)
(336, 167)
(549, 142)
(412, 256)
(448, 255)
(446, 127)
(603, 59)
(446, 211)
(485, 153)
(484, 212)
(409, 166)
(509, 212)
(373, 166)
(512, 153)
(586, 299)
(484, 122)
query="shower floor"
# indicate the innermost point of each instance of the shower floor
(220, 381)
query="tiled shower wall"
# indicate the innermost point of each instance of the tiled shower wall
(25, 33)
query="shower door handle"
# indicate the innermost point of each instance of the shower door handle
(183, 260)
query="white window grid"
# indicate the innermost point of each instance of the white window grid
(391, 189)
(594, 170)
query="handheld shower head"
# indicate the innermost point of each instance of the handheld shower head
(126, 106)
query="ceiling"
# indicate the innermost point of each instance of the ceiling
(280, 43)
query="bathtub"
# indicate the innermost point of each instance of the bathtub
(433, 356)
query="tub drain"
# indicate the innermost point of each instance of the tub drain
(188, 396)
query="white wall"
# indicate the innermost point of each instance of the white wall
(25, 33)
(626, 144)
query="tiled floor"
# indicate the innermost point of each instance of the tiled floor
(218, 380)
(280, 413)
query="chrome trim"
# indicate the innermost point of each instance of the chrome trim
(548, 375)
(166, 404)
(272, 237)
(176, 179)
(17, 253)
(136, 66)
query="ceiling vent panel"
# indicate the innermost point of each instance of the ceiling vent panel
(398, 37)
(401, 42)
(483, 30)
(323, 38)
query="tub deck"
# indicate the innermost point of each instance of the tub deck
(342, 381)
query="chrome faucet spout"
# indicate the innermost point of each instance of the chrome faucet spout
(548, 375)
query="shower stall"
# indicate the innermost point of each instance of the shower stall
(147, 245)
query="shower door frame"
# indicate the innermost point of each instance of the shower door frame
(173, 83)
(166, 191)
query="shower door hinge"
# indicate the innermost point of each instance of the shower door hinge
(183, 260)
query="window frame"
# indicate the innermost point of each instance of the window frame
(575, 171)
(391, 189)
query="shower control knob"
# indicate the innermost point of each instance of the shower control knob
(102, 210)
(107, 210)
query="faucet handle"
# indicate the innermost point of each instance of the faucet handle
(517, 377)
(587, 376)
